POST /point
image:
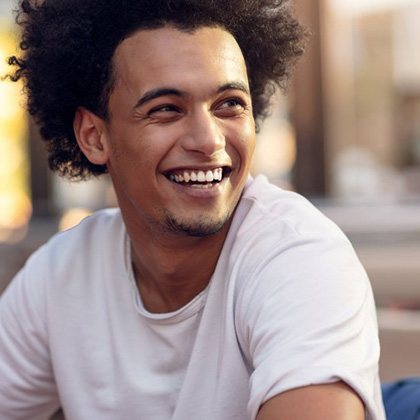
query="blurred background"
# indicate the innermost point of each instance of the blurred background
(346, 135)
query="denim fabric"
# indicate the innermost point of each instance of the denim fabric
(402, 399)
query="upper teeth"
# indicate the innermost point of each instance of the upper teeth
(200, 176)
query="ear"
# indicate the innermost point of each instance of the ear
(89, 130)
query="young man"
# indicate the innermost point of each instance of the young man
(207, 294)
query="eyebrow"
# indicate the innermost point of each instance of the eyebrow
(157, 93)
(234, 86)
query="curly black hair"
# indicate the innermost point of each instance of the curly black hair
(67, 49)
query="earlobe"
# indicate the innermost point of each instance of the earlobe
(89, 132)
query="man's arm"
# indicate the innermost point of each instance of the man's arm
(335, 401)
(307, 316)
(27, 388)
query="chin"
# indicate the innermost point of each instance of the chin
(201, 227)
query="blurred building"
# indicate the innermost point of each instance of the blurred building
(372, 98)
(354, 104)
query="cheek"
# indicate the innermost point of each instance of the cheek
(135, 148)
(242, 128)
(155, 142)
(246, 144)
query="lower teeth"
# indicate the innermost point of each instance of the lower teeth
(209, 185)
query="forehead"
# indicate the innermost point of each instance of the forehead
(168, 56)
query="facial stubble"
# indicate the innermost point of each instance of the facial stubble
(200, 227)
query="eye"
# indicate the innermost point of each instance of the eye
(164, 112)
(230, 107)
(163, 108)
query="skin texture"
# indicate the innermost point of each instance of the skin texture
(204, 122)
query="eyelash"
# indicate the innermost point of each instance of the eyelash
(170, 108)
(234, 102)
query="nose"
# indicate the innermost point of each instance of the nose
(203, 133)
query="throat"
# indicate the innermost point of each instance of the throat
(165, 297)
(155, 301)
(168, 288)
(170, 273)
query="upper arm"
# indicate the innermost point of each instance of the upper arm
(335, 401)
(27, 388)
(307, 318)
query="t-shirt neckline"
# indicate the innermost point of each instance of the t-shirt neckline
(187, 311)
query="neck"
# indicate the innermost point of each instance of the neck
(170, 270)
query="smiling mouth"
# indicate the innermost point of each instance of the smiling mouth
(199, 178)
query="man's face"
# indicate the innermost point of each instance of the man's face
(181, 132)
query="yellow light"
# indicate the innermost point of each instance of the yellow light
(14, 160)
(15, 205)
(72, 217)
(14, 209)
(9, 106)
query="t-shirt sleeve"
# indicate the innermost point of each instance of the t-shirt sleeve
(27, 389)
(306, 316)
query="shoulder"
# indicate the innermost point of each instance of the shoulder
(267, 205)
(281, 228)
(301, 295)
(72, 266)
(102, 223)
(96, 235)
(285, 250)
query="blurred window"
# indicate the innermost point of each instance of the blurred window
(372, 85)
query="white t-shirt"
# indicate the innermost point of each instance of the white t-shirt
(288, 305)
